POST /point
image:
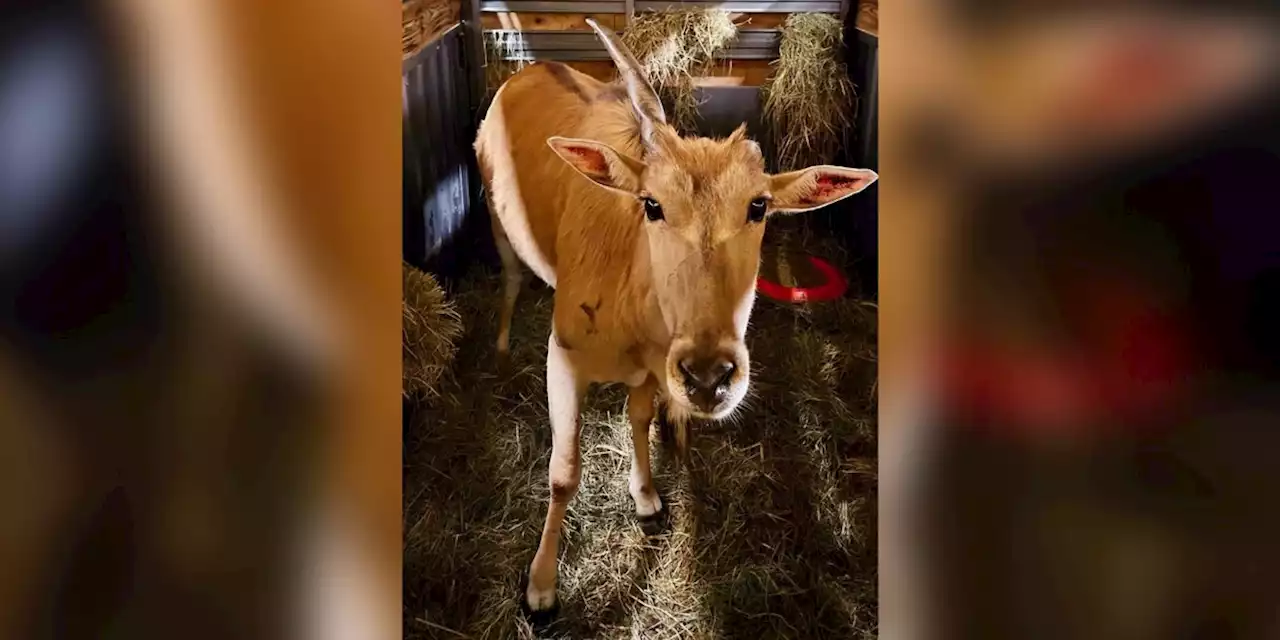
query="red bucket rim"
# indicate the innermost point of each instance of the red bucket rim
(832, 288)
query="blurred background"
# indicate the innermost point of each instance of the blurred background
(199, 376)
(1079, 405)
(199, 355)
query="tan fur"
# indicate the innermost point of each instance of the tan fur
(637, 301)
(586, 241)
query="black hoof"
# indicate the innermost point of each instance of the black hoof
(542, 619)
(656, 523)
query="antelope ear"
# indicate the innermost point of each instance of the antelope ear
(600, 163)
(815, 187)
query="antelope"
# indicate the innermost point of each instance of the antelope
(651, 242)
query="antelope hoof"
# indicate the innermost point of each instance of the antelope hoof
(647, 503)
(540, 606)
(653, 520)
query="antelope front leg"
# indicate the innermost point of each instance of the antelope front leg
(640, 411)
(564, 394)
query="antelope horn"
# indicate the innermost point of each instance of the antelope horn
(644, 100)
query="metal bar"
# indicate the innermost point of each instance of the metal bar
(475, 60)
(752, 44)
(551, 6)
(746, 6)
(630, 7)
(583, 55)
(630, 12)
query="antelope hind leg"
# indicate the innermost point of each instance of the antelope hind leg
(513, 279)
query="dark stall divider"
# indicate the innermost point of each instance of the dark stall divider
(856, 219)
(445, 226)
(723, 109)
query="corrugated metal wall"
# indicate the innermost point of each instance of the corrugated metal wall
(440, 184)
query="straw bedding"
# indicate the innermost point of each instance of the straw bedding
(772, 524)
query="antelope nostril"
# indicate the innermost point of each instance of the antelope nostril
(686, 370)
(726, 373)
(708, 374)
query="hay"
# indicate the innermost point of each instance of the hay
(674, 47)
(431, 329)
(772, 530)
(498, 46)
(424, 21)
(809, 100)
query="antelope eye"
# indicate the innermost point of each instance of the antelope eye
(652, 210)
(756, 211)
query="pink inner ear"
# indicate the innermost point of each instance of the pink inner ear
(828, 186)
(590, 160)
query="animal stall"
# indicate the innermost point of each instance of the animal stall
(769, 527)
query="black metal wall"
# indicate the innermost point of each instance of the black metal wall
(856, 219)
(441, 189)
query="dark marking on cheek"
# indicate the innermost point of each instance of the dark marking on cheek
(590, 311)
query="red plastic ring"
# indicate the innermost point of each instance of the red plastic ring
(834, 286)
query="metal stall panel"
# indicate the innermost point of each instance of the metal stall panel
(752, 44)
(862, 55)
(857, 218)
(723, 109)
(440, 180)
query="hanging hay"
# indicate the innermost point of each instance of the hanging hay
(431, 330)
(809, 101)
(424, 21)
(498, 46)
(674, 47)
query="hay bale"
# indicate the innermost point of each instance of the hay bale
(809, 100)
(431, 330)
(673, 48)
(424, 21)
